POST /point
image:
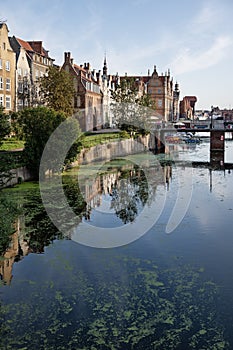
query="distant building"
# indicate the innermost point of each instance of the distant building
(7, 70)
(160, 89)
(87, 100)
(187, 107)
(108, 83)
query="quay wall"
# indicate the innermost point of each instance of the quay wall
(19, 175)
(110, 150)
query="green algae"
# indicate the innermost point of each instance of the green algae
(153, 309)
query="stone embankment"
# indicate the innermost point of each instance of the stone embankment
(101, 152)
(111, 150)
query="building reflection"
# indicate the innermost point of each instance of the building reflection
(17, 249)
(114, 182)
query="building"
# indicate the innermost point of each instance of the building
(32, 62)
(187, 107)
(108, 84)
(7, 70)
(87, 102)
(23, 87)
(160, 89)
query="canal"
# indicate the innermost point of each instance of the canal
(145, 262)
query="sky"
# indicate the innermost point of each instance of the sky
(194, 39)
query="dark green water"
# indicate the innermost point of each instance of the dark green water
(161, 291)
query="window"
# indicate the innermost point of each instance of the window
(37, 73)
(0, 63)
(4, 46)
(160, 103)
(8, 102)
(25, 72)
(1, 100)
(8, 84)
(1, 83)
(159, 91)
(20, 87)
(19, 71)
(8, 66)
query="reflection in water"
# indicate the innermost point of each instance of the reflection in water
(123, 183)
(119, 190)
(158, 293)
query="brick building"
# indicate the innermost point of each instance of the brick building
(187, 107)
(160, 89)
(87, 101)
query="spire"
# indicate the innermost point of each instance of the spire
(105, 68)
(176, 87)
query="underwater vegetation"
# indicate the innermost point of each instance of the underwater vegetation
(129, 304)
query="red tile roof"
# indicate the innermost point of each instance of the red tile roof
(76, 67)
(25, 44)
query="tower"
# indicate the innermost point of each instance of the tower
(105, 68)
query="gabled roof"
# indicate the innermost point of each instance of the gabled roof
(33, 46)
(24, 44)
(78, 68)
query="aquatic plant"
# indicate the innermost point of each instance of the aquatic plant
(130, 304)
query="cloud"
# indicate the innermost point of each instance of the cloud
(189, 61)
(206, 17)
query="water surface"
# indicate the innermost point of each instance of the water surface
(162, 291)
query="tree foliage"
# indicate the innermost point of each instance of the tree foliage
(131, 110)
(5, 159)
(57, 90)
(4, 125)
(37, 125)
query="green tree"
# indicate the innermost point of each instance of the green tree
(131, 111)
(5, 160)
(4, 125)
(57, 90)
(37, 125)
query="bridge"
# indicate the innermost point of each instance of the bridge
(217, 139)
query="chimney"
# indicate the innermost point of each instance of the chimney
(37, 46)
(98, 77)
(67, 57)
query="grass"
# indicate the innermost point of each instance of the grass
(11, 144)
(98, 139)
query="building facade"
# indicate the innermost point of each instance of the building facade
(87, 102)
(187, 107)
(160, 89)
(108, 84)
(32, 62)
(7, 70)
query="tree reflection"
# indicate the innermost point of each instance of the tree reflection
(129, 194)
